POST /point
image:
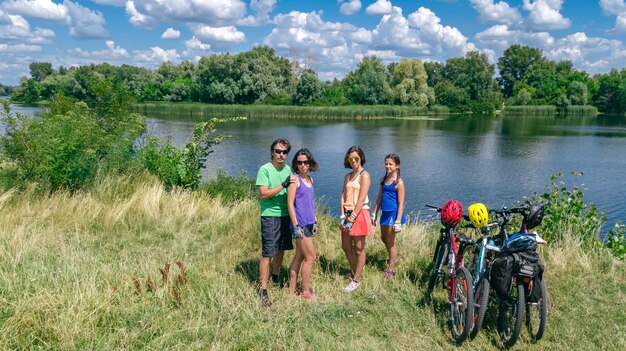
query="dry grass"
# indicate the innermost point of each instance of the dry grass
(86, 271)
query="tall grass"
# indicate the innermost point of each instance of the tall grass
(550, 110)
(70, 262)
(194, 110)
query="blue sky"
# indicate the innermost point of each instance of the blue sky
(330, 35)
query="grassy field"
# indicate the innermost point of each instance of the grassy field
(69, 265)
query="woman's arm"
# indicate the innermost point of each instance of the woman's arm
(343, 191)
(291, 201)
(400, 188)
(379, 199)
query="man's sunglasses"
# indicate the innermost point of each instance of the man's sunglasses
(284, 152)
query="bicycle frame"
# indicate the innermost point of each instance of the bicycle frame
(484, 245)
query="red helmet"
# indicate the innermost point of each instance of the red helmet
(451, 213)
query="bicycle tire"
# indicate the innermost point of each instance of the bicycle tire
(462, 310)
(481, 301)
(537, 310)
(440, 253)
(511, 315)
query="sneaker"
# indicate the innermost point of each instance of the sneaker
(389, 274)
(307, 295)
(352, 286)
(265, 300)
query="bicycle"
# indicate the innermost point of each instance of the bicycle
(521, 293)
(480, 256)
(459, 288)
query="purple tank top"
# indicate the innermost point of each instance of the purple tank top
(305, 204)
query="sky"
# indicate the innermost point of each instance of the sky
(332, 36)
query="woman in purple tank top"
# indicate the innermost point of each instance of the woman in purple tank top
(301, 204)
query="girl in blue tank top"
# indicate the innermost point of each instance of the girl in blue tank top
(390, 202)
(301, 205)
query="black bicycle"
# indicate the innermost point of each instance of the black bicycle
(522, 294)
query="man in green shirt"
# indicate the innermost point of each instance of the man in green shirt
(273, 180)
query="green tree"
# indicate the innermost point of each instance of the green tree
(514, 65)
(308, 89)
(368, 83)
(577, 93)
(474, 74)
(40, 70)
(408, 82)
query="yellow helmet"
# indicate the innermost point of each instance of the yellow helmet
(478, 214)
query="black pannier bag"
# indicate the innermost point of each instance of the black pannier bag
(500, 275)
(522, 264)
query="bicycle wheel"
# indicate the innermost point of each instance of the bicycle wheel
(461, 310)
(537, 314)
(441, 251)
(511, 315)
(481, 301)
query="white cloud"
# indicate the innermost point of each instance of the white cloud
(195, 44)
(83, 22)
(5, 48)
(380, 7)
(440, 38)
(155, 56)
(170, 33)
(111, 54)
(262, 9)
(499, 37)
(214, 13)
(138, 19)
(545, 14)
(44, 32)
(40, 9)
(228, 34)
(612, 7)
(361, 36)
(350, 7)
(15, 29)
(499, 12)
(616, 8)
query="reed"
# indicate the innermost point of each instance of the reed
(199, 110)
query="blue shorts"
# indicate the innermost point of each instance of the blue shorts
(308, 232)
(388, 218)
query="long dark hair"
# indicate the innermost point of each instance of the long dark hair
(396, 160)
(358, 150)
(312, 163)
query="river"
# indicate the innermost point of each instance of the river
(495, 160)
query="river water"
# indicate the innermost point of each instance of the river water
(495, 160)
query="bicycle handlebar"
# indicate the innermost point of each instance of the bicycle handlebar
(434, 207)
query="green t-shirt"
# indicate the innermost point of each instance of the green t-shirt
(268, 175)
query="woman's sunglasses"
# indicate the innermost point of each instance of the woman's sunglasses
(354, 159)
(303, 162)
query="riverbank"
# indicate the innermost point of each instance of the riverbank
(77, 269)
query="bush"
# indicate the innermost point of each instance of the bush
(181, 167)
(616, 242)
(67, 146)
(567, 211)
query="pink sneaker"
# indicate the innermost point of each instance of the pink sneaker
(307, 295)
(389, 274)
(352, 286)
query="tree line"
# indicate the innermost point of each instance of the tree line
(259, 76)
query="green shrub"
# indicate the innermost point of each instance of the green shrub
(67, 146)
(230, 188)
(567, 211)
(181, 167)
(616, 242)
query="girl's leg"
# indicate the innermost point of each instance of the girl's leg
(308, 252)
(390, 242)
(295, 266)
(348, 249)
(359, 250)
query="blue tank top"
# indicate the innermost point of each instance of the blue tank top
(305, 203)
(390, 197)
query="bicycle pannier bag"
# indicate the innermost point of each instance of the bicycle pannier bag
(501, 273)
